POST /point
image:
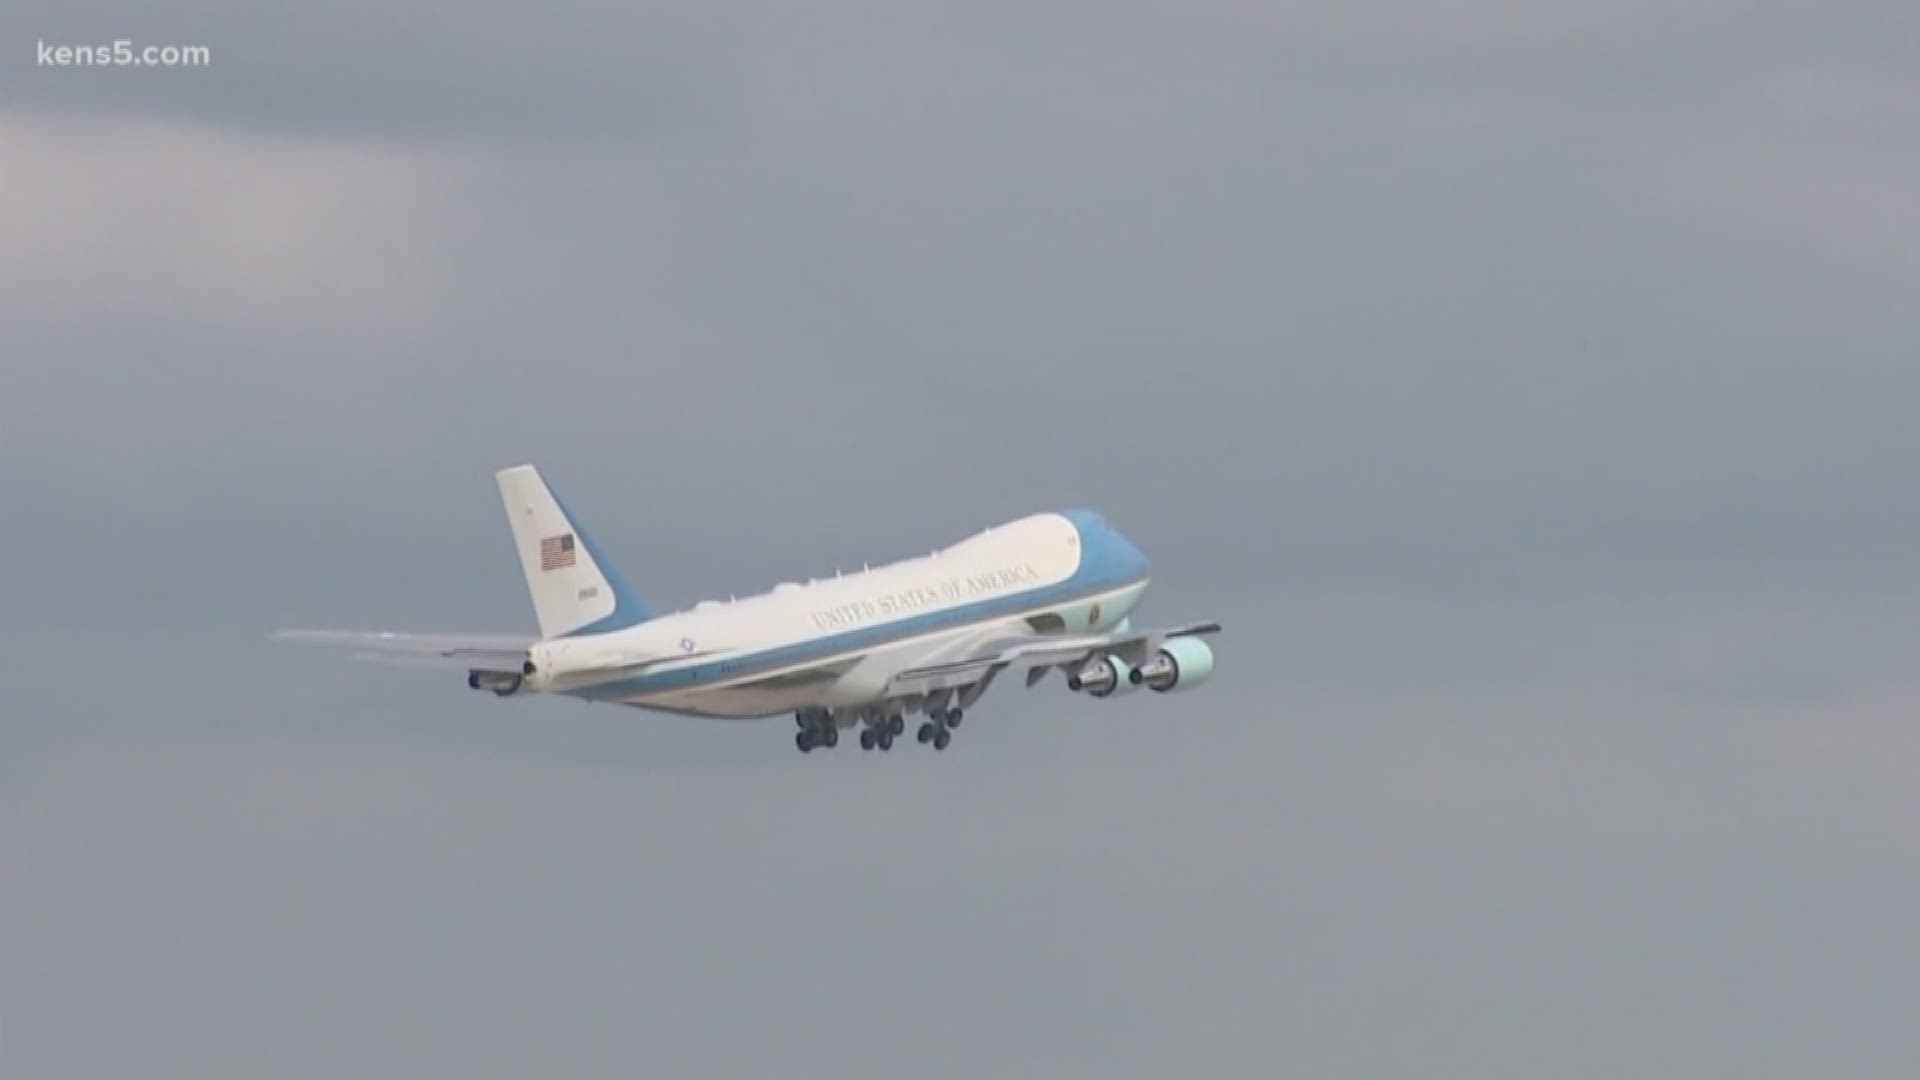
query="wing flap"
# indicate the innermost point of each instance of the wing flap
(1034, 651)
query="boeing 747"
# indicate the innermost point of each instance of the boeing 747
(922, 637)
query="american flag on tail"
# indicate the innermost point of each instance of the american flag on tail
(556, 551)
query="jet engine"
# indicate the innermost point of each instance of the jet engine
(1181, 663)
(1103, 676)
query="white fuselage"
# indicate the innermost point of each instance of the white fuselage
(836, 643)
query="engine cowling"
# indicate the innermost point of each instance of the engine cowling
(1180, 664)
(1103, 677)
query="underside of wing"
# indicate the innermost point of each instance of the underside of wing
(472, 652)
(1037, 652)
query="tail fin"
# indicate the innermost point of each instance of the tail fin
(576, 590)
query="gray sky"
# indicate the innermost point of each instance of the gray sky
(1531, 392)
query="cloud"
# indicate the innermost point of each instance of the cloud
(163, 222)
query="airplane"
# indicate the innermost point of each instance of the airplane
(924, 636)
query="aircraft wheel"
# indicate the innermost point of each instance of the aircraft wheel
(830, 738)
(953, 718)
(925, 734)
(897, 725)
(866, 739)
(885, 739)
(804, 741)
(941, 739)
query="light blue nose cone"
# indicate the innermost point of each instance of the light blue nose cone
(1106, 557)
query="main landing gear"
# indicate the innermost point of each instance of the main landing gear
(939, 729)
(880, 734)
(819, 731)
(808, 739)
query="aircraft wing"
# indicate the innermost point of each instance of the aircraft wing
(469, 652)
(1036, 652)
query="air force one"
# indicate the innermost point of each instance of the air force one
(921, 637)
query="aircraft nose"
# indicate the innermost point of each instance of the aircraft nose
(1110, 555)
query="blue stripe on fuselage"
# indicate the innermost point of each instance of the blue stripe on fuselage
(1108, 561)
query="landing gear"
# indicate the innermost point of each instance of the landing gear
(937, 731)
(881, 731)
(817, 731)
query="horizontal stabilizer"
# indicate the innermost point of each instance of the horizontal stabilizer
(473, 652)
